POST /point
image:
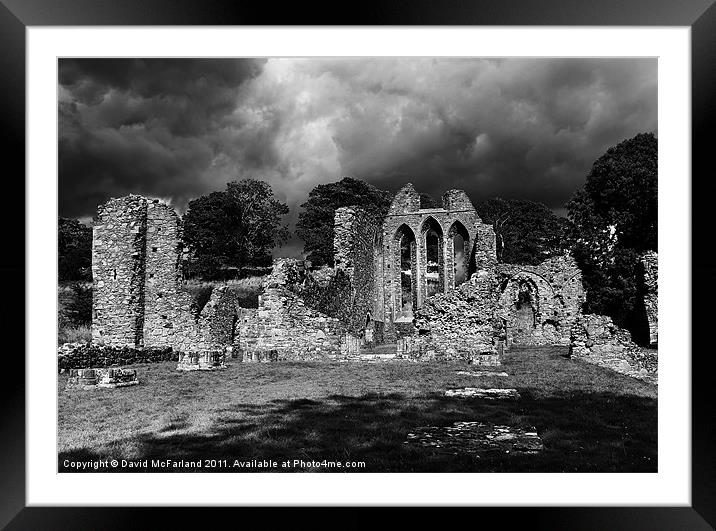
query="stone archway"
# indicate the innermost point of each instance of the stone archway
(433, 256)
(458, 254)
(521, 306)
(524, 320)
(405, 274)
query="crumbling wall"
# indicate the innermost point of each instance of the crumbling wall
(218, 319)
(406, 220)
(118, 249)
(214, 328)
(284, 327)
(596, 339)
(459, 324)
(650, 261)
(84, 355)
(355, 255)
(167, 307)
(138, 300)
(540, 304)
(329, 313)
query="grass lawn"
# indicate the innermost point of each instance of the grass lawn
(590, 419)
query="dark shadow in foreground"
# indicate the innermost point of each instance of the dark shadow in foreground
(582, 432)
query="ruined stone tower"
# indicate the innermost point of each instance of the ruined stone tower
(138, 297)
(136, 269)
(119, 243)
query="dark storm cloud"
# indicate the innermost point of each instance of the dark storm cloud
(516, 128)
(523, 128)
(142, 126)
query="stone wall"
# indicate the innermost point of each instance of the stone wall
(167, 307)
(139, 300)
(214, 328)
(85, 355)
(596, 339)
(284, 327)
(650, 262)
(539, 304)
(355, 255)
(407, 222)
(118, 248)
(402, 283)
(138, 297)
(458, 324)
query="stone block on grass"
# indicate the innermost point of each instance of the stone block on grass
(481, 374)
(207, 360)
(107, 378)
(476, 438)
(489, 394)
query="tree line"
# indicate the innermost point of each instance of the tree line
(610, 222)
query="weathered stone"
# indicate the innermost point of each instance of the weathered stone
(202, 361)
(596, 339)
(286, 326)
(80, 355)
(489, 394)
(425, 279)
(476, 438)
(138, 300)
(101, 378)
(650, 262)
(481, 374)
(416, 256)
(540, 304)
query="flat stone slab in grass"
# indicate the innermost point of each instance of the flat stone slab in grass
(490, 394)
(197, 367)
(476, 438)
(113, 385)
(483, 373)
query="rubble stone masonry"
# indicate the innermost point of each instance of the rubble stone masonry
(284, 327)
(138, 300)
(406, 224)
(540, 303)
(650, 262)
(118, 248)
(425, 279)
(460, 324)
(356, 255)
(597, 340)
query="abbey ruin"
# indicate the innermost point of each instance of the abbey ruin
(424, 280)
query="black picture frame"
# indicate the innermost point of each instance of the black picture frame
(699, 15)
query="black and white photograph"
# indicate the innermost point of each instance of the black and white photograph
(380, 264)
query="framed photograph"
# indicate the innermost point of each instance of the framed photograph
(413, 256)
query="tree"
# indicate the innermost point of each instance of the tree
(527, 232)
(237, 227)
(79, 308)
(615, 221)
(74, 250)
(428, 201)
(620, 195)
(315, 223)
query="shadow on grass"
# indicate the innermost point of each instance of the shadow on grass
(582, 432)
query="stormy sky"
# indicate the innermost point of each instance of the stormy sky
(179, 128)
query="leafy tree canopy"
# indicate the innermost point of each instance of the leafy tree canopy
(237, 227)
(315, 222)
(614, 221)
(526, 232)
(74, 250)
(619, 198)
